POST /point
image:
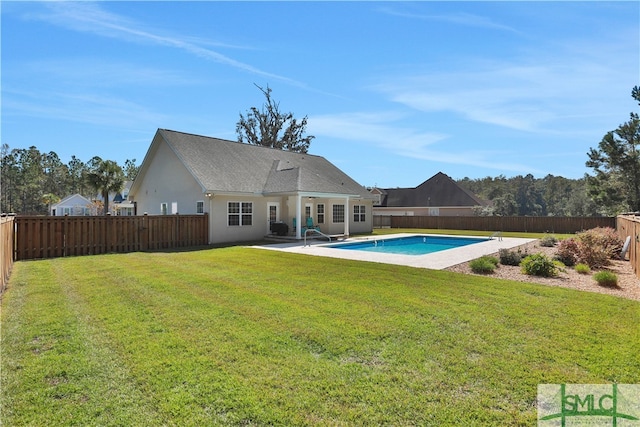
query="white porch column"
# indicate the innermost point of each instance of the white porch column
(298, 216)
(347, 215)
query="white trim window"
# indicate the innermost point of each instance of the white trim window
(164, 208)
(359, 213)
(320, 213)
(338, 214)
(200, 206)
(239, 214)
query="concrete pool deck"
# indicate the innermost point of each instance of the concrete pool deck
(436, 261)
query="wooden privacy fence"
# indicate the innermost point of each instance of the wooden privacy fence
(6, 248)
(49, 237)
(629, 225)
(531, 224)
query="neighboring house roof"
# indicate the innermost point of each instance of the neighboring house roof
(121, 196)
(224, 166)
(437, 191)
(72, 200)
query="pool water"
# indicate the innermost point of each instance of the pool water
(413, 245)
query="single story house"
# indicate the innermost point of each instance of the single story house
(438, 196)
(74, 205)
(245, 189)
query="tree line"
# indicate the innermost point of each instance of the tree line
(529, 196)
(32, 180)
(613, 188)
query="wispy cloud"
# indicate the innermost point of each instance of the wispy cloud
(97, 72)
(384, 131)
(538, 96)
(462, 19)
(90, 17)
(100, 110)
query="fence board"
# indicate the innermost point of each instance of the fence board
(629, 225)
(7, 239)
(48, 237)
(546, 224)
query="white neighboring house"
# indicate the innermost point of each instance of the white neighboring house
(119, 204)
(245, 188)
(75, 205)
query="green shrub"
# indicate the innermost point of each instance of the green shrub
(539, 265)
(508, 257)
(582, 268)
(548, 241)
(606, 278)
(484, 264)
(493, 260)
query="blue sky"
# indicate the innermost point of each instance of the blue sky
(394, 91)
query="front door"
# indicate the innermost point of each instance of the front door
(273, 214)
(307, 212)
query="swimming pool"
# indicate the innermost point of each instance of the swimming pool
(412, 245)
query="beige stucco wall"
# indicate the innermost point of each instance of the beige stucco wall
(167, 181)
(219, 229)
(328, 226)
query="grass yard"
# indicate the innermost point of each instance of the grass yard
(242, 336)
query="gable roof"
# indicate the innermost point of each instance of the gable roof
(437, 191)
(225, 166)
(73, 200)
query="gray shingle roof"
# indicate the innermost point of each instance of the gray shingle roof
(437, 191)
(227, 166)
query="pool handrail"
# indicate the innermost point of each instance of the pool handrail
(314, 230)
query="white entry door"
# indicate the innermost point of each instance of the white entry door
(273, 214)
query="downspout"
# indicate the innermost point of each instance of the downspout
(347, 214)
(209, 197)
(298, 217)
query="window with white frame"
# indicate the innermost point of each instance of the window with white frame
(240, 213)
(359, 213)
(163, 208)
(338, 214)
(200, 206)
(320, 213)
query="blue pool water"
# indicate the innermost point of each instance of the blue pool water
(413, 245)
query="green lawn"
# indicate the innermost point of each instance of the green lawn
(242, 336)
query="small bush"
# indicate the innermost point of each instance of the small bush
(568, 252)
(598, 246)
(539, 265)
(595, 247)
(484, 265)
(493, 260)
(582, 268)
(606, 278)
(548, 241)
(508, 257)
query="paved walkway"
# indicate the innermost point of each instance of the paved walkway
(436, 261)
